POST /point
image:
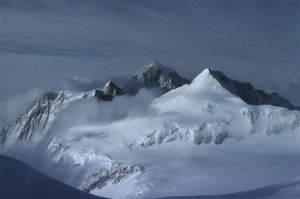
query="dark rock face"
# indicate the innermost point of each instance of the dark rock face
(50, 96)
(3, 135)
(156, 75)
(108, 92)
(249, 94)
(117, 174)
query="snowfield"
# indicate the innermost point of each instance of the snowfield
(197, 139)
(289, 189)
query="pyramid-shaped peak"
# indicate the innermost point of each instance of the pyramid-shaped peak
(203, 76)
(110, 84)
(206, 71)
(155, 75)
(110, 88)
(246, 91)
(209, 73)
(216, 77)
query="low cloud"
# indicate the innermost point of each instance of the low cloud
(289, 89)
(14, 106)
(71, 126)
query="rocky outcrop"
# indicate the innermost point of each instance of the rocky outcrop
(108, 92)
(156, 75)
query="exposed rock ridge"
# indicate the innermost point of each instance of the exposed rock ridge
(249, 94)
(156, 75)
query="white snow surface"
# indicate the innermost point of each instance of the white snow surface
(198, 139)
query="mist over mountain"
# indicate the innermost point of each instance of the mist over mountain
(289, 89)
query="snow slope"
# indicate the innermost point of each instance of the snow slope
(289, 189)
(19, 181)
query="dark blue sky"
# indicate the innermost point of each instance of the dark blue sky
(45, 41)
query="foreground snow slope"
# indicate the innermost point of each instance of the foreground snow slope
(198, 139)
(19, 181)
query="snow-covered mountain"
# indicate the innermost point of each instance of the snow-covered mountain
(36, 123)
(196, 136)
(213, 112)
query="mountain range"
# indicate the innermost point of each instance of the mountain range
(209, 135)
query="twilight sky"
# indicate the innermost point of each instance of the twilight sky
(46, 41)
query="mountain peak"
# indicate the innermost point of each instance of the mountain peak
(108, 91)
(244, 90)
(108, 85)
(155, 65)
(206, 79)
(155, 75)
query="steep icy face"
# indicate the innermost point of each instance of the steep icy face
(36, 123)
(249, 94)
(156, 75)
